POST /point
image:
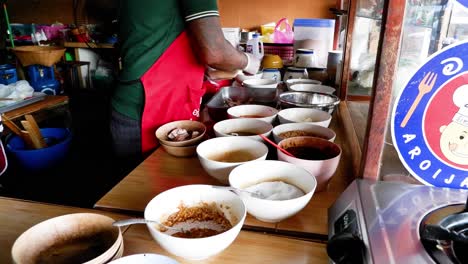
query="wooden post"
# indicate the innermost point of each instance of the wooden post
(379, 108)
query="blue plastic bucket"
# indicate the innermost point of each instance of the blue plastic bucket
(58, 141)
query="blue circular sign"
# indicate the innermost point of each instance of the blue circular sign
(430, 120)
(463, 2)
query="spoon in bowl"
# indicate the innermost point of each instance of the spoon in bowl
(275, 145)
(236, 190)
(133, 221)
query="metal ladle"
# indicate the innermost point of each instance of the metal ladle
(133, 221)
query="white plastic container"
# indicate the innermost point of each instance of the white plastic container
(255, 46)
(316, 34)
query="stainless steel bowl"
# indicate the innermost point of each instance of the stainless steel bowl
(321, 101)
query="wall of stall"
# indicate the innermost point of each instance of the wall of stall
(234, 13)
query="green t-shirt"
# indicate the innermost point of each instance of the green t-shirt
(147, 29)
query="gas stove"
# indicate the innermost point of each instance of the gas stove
(388, 222)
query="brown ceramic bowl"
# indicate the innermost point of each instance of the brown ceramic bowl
(183, 151)
(71, 238)
(163, 131)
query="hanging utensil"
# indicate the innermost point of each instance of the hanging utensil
(37, 131)
(437, 232)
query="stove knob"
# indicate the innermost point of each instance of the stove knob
(346, 248)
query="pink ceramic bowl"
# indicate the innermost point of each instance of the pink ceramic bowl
(318, 156)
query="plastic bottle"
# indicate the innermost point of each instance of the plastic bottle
(255, 46)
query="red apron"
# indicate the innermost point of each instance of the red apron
(173, 90)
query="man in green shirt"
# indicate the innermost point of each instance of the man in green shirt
(165, 47)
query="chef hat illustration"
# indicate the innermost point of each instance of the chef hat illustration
(460, 99)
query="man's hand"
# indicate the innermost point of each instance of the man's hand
(253, 64)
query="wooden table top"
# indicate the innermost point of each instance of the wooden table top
(50, 101)
(248, 247)
(161, 171)
(18, 216)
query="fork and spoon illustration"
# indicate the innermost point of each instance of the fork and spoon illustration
(425, 86)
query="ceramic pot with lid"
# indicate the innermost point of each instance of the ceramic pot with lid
(295, 73)
(274, 74)
(306, 58)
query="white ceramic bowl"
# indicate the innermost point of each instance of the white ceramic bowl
(251, 126)
(309, 129)
(315, 88)
(211, 150)
(260, 83)
(144, 259)
(69, 237)
(290, 82)
(304, 115)
(167, 203)
(259, 112)
(323, 169)
(241, 77)
(256, 172)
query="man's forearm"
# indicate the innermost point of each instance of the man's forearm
(211, 46)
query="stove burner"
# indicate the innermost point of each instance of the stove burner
(446, 246)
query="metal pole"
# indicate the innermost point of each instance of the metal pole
(10, 33)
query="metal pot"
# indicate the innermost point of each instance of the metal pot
(321, 101)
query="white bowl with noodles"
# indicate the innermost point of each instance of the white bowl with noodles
(260, 83)
(288, 130)
(267, 171)
(219, 156)
(259, 112)
(243, 127)
(304, 115)
(314, 88)
(290, 82)
(169, 202)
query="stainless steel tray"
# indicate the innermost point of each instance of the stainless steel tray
(35, 98)
(230, 96)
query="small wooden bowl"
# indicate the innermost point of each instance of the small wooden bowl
(184, 151)
(163, 131)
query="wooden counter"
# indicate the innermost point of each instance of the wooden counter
(17, 216)
(248, 247)
(48, 103)
(160, 172)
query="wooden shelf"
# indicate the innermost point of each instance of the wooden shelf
(88, 45)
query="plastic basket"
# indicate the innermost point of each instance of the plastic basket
(284, 50)
(43, 55)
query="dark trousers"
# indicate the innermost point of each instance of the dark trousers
(126, 140)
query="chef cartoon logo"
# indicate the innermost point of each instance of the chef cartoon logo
(430, 120)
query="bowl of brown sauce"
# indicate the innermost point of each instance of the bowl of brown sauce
(318, 156)
(219, 156)
(208, 220)
(72, 238)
